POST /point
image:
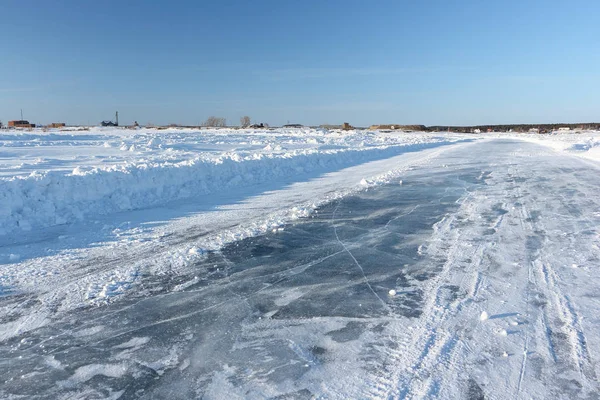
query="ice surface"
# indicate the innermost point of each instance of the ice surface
(286, 307)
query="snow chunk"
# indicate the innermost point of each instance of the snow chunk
(87, 372)
(195, 251)
(78, 171)
(133, 342)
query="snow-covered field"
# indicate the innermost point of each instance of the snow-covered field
(585, 144)
(432, 265)
(58, 177)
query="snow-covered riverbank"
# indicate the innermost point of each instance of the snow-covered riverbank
(584, 144)
(54, 178)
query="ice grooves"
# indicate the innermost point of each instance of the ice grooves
(432, 348)
(526, 343)
(548, 333)
(578, 337)
(383, 303)
(558, 314)
(569, 318)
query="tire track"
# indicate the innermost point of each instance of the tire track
(437, 346)
(561, 329)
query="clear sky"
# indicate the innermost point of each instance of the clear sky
(312, 62)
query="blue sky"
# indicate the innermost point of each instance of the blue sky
(311, 62)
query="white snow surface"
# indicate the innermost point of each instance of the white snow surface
(580, 143)
(512, 311)
(60, 177)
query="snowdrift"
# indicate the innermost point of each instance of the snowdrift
(584, 144)
(44, 199)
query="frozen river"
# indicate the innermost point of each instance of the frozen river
(472, 276)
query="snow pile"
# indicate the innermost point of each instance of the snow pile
(584, 144)
(180, 165)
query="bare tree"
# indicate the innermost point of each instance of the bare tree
(210, 121)
(245, 121)
(215, 122)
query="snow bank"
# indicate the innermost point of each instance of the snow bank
(585, 144)
(55, 197)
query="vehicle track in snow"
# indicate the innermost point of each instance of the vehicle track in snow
(438, 344)
(442, 346)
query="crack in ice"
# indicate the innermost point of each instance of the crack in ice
(355, 260)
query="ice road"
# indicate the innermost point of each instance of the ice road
(473, 275)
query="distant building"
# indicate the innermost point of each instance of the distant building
(57, 125)
(346, 126)
(21, 123)
(293, 126)
(110, 123)
(398, 127)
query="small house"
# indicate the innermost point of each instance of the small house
(21, 123)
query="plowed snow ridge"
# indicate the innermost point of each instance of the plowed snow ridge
(55, 197)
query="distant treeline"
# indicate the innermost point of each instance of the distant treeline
(399, 127)
(543, 128)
